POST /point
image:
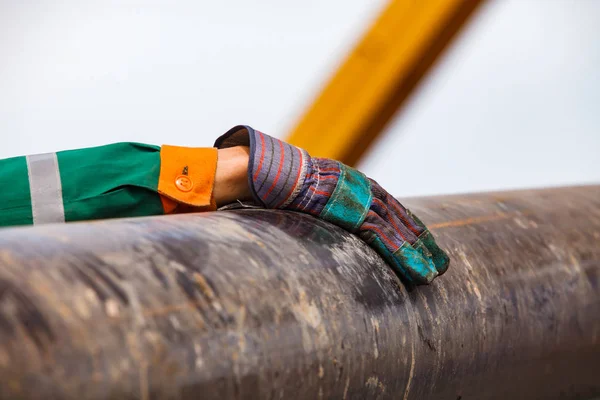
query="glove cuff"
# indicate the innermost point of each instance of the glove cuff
(276, 170)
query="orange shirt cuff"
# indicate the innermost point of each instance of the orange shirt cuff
(187, 178)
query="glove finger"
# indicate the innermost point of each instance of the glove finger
(411, 227)
(414, 265)
(440, 258)
(390, 217)
(425, 239)
(397, 209)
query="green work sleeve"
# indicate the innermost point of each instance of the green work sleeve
(117, 180)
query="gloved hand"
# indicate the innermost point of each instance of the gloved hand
(286, 177)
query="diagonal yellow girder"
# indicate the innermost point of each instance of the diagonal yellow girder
(378, 75)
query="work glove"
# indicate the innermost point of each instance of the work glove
(283, 176)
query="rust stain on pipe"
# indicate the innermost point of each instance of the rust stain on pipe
(474, 220)
(278, 305)
(471, 221)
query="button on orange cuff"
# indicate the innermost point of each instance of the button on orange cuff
(184, 183)
(187, 176)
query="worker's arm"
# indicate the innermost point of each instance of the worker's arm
(132, 179)
(283, 176)
(119, 180)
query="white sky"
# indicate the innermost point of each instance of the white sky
(515, 102)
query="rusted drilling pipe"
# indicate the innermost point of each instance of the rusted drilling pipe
(262, 304)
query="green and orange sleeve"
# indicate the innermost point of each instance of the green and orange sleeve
(113, 181)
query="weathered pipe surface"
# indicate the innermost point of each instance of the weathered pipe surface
(277, 305)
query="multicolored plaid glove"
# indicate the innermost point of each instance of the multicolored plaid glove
(286, 177)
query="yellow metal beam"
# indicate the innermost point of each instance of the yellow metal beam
(378, 76)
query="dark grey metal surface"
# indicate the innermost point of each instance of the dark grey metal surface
(263, 304)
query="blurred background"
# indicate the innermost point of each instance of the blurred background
(512, 102)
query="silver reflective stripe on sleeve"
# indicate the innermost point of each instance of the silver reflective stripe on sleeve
(46, 189)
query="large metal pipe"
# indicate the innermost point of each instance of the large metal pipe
(266, 304)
